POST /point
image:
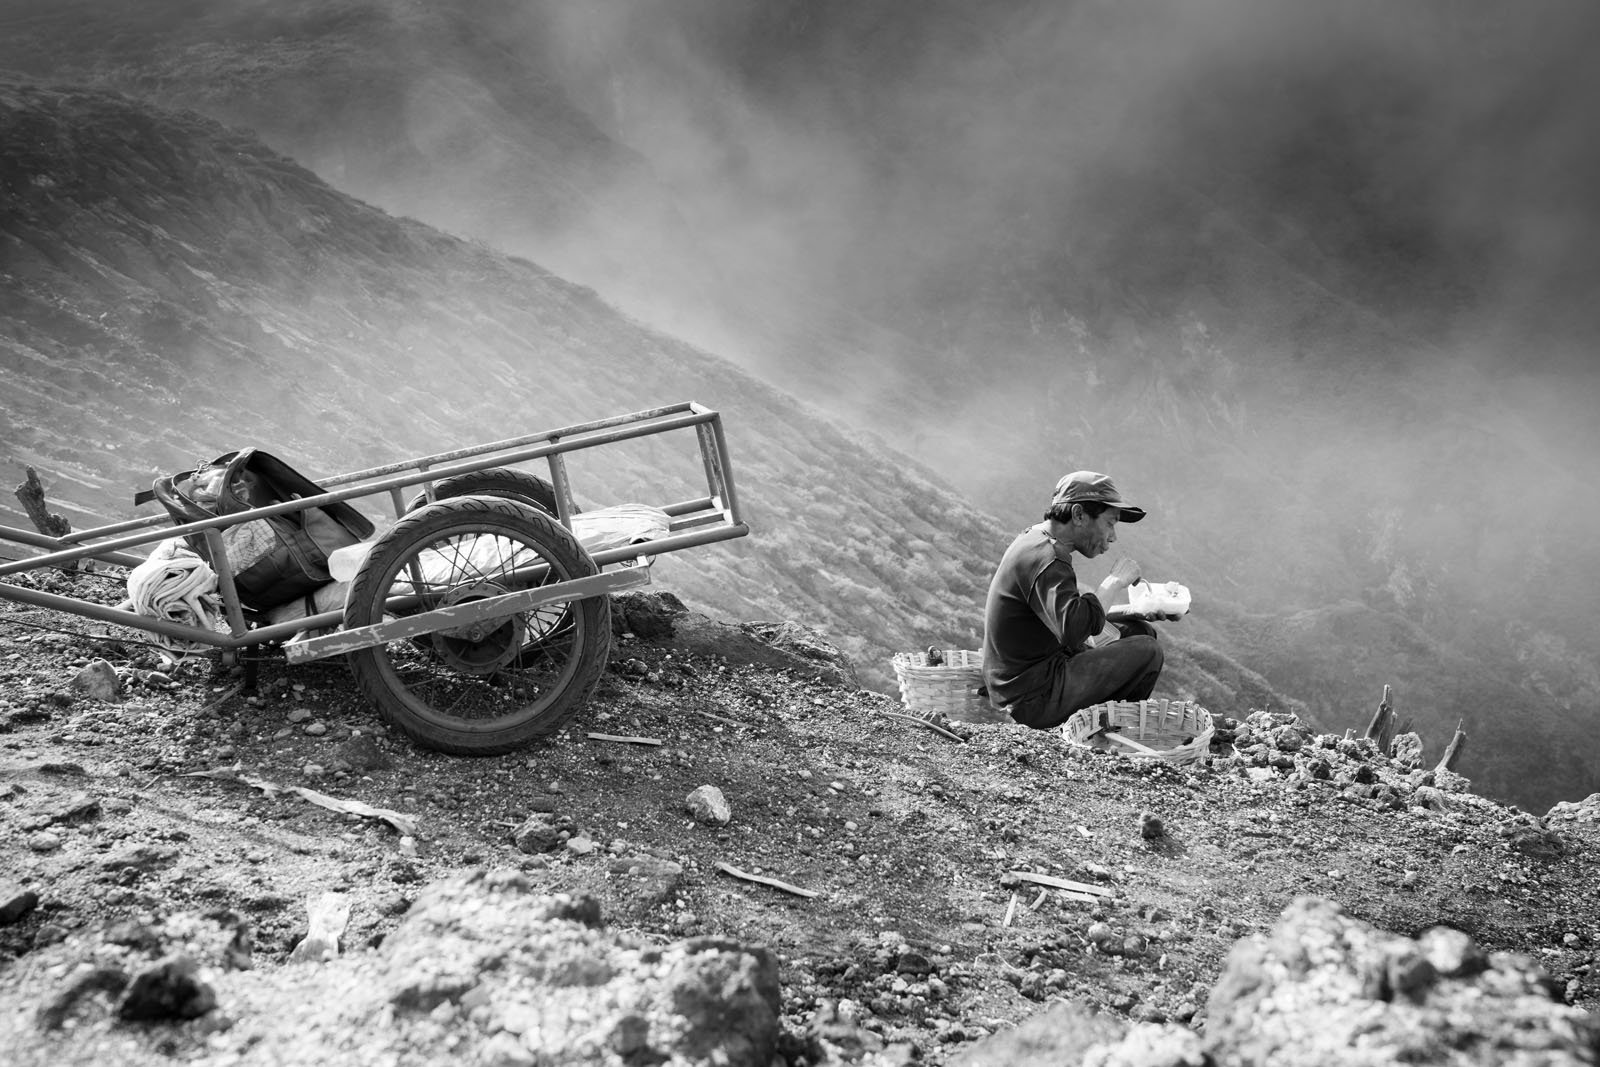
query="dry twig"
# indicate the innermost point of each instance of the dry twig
(626, 739)
(728, 868)
(924, 723)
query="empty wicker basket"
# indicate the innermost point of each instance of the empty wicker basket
(1177, 731)
(953, 688)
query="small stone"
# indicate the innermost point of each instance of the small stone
(505, 1049)
(1431, 798)
(298, 715)
(16, 903)
(580, 845)
(44, 841)
(1451, 952)
(143, 858)
(538, 833)
(98, 681)
(313, 770)
(49, 934)
(363, 753)
(171, 989)
(1410, 973)
(80, 807)
(315, 729)
(1536, 842)
(709, 806)
(1150, 827)
(1100, 934)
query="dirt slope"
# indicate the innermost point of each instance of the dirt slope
(904, 835)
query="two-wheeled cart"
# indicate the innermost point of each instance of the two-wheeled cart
(477, 621)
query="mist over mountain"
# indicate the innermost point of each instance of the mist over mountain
(1310, 280)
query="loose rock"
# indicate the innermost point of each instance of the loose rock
(16, 903)
(172, 989)
(97, 681)
(708, 805)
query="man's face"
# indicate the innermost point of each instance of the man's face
(1093, 536)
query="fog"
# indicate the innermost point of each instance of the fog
(1315, 280)
(1378, 216)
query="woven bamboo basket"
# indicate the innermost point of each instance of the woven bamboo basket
(953, 688)
(1177, 731)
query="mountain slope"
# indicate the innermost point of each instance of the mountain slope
(175, 290)
(1263, 263)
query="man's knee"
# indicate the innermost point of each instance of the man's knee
(1145, 647)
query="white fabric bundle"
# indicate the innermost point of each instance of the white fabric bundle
(174, 583)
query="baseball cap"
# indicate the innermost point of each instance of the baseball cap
(1087, 487)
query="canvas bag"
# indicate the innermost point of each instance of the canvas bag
(276, 559)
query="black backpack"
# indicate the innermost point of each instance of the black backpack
(276, 559)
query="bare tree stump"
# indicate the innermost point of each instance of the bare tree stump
(31, 493)
(1447, 762)
(1381, 727)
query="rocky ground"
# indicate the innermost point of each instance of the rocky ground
(202, 871)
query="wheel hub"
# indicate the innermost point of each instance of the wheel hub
(481, 647)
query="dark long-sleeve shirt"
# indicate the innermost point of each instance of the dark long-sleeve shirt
(1034, 617)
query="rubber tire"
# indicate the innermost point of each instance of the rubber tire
(505, 482)
(588, 621)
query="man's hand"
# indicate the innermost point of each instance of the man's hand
(1124, 574)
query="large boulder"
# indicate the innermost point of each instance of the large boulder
(1585, 810)
(544, 975)
(1325, 988)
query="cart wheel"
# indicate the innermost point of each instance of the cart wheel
(505, 482)
(494, 686)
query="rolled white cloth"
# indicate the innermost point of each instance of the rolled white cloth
(174, 583)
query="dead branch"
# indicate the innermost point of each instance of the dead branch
(1381, 727)
(1447, 762)
(31, 494)
(728, 868)
(625, 739)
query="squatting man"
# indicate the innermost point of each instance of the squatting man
(1040, 663)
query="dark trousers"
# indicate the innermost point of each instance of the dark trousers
(1122, 670)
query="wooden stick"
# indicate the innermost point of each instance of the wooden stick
(925, 724)
(719, 718)
(1453, 753)
(1063, 883)
(1038, 900)
(1011, 910)
(728, 868)
(624, 739)
(1082, 898)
